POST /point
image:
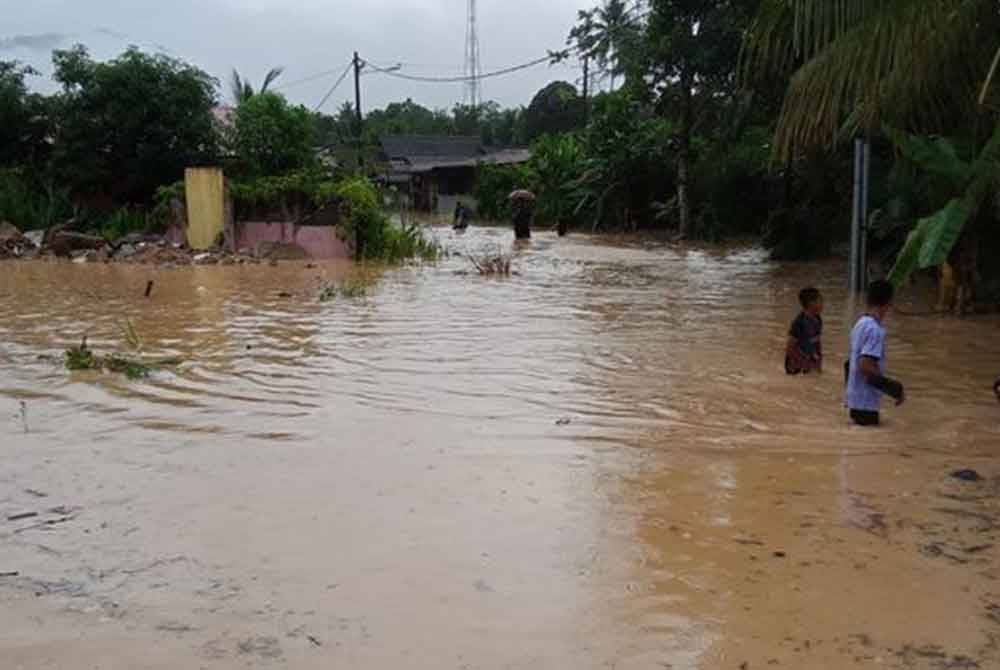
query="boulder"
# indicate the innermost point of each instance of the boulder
(64, 242)
(9, 232)
(126, 251)
(280, 251)
(36, 237)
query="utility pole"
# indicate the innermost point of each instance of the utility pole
(358, 118)
(586, 89)
(858, 270)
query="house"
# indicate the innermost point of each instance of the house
(436, 171)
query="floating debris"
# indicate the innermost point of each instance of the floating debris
(967, 475)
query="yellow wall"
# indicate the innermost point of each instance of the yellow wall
(205, 189)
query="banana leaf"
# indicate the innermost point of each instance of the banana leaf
(935, 155)
(929, 244)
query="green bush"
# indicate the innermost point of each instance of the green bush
(494, 184)
(294, 194)
(376, 237)
(123, 222)
(31, 206)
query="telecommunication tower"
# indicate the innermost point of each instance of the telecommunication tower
(473, 68)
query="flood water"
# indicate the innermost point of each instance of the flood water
(596, 463)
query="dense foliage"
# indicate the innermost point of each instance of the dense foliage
(124, 127)
(271, 137)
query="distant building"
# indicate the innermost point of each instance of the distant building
(435, 171)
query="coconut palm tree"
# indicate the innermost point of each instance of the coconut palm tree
(909, 68)
(602, 33)
(854, 64)
(242, 89)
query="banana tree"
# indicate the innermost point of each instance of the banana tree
(972, 182)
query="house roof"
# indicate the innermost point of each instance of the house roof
(408, 147)
(423, 153)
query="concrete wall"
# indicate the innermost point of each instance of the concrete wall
(205, 190)
(320, 242)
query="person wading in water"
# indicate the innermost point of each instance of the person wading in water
(866, 368)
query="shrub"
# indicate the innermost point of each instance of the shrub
(494, 184)
(31, 206)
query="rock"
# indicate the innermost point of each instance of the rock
(36, 237)
(280, 251)
(8, 231)
(64, 242)
(126, 250)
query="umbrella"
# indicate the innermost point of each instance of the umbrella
(521, 194)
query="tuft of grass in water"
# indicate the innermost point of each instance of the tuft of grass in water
(327, 292)
(357, 285)
(350, 288)
(130, 368)
(489, 264)
(83, 358)
(130, 335)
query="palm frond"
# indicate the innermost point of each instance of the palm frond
(270, 77)
(906, 62)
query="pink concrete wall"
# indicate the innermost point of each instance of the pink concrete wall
(319, 242)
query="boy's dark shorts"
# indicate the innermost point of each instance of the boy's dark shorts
(864, 418)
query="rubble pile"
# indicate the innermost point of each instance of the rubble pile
(62, 242)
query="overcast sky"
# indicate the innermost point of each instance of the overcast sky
(307, 37)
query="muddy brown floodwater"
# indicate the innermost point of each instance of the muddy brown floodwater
(597, 463)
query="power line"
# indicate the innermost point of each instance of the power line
(333, 88)
(305, 80)
(465, 78)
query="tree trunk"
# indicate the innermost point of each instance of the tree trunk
(683, 206)
(684, 160)
(968, 271)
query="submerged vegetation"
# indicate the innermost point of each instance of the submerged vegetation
(492, 264)
(82, 357)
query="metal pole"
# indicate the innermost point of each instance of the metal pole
(358, 118)
(855, 261)
(863, 246)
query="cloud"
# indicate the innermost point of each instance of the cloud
(112, 33)
(42, 42)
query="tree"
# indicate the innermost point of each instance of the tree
(242, 90)
(22, 116)
(921, 66)
(405, 118)
(605, 35)
(127, 126)
(557, 108)
(272, 137)
(693, 49)
(918, 65)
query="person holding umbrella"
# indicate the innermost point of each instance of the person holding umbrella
(523, 206)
